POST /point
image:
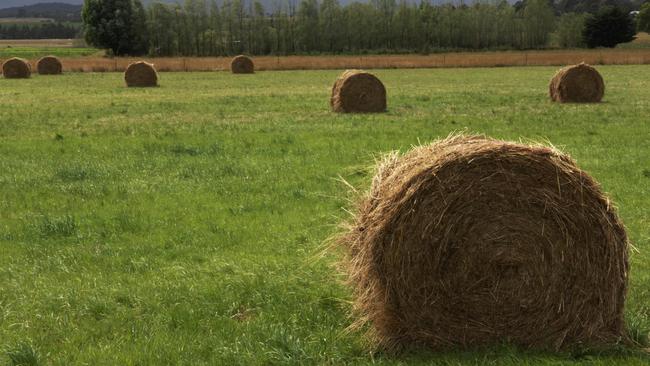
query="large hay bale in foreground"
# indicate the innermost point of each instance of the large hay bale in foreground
(356, 91)
(242, 65)
(141, 74)
(16, 68)
(471, 241)
(577, 84)
(49, 65)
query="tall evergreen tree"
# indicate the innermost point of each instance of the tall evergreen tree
(609, 27)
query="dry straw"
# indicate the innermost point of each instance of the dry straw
(471, 241)
(16, 68)
(577, 84)
(242, 65)
(49, 65)
(356, 91)
(141, 74)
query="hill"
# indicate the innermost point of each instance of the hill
(4, 4)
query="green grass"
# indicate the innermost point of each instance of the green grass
(36, 52)
(642, 41)
(182, 224)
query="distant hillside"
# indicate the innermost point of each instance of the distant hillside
(17, 3)
(56, 11)
(591, 6)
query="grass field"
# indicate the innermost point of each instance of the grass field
(183, 224)
(26, 20)
(84, 59)
(642, 41)
(35, 52)
(36, 48)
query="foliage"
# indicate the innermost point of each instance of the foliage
(182, 225)
(116, 25)
(39, 31)
(591, 6)
(643, 18)
(569, 30)
(206, 28)
(607, 28)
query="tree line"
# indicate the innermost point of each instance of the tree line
(227, 27)
(52, 30)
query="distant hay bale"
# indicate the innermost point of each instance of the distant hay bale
(577, 84)
(16, 68)
(471, 241)
(141, 74)
(357, 91)
(49, 65)
(242, 65)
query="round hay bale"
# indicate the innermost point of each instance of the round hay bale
(577, 84)
(141, 74)
(242, 65)
(356, 91)
(49, 65)
(16, 68)
(471, 241)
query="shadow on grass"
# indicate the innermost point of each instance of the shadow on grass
(23, 354)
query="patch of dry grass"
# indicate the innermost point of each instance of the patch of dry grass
(462, 59)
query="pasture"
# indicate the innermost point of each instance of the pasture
(186, 224)
(37, 48)
(79, 58)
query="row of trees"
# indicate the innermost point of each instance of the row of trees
(211, 28)
(643, 18)
(38, 31)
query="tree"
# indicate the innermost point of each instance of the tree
(607, 28)
(569, 30)
(116, 25)
(308, 25)
(538, 23)
(139, 30)
(643, 19)
(161, 28)
(330, 25)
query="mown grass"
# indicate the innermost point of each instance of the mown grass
(37, 52)
(183, 224)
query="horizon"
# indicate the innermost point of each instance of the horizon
(6, 4)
